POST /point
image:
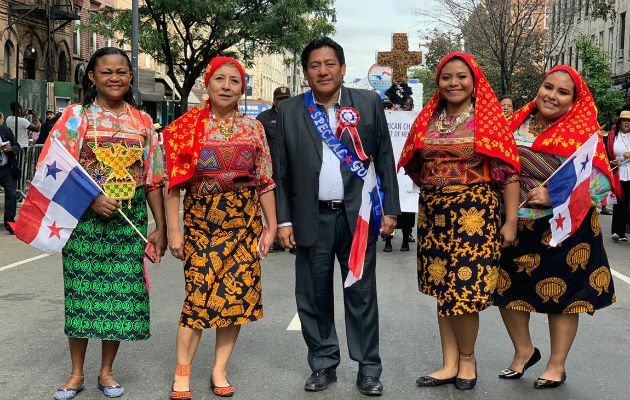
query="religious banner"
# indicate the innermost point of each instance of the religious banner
(399, 123)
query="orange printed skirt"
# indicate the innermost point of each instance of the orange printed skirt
(459, 246)
(221, 266)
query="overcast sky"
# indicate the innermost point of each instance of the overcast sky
(366, 26)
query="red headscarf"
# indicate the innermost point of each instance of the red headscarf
(491, 133)
(182, 138)
(568, 132)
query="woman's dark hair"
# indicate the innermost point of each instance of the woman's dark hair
(318, 44)
(458, 58)
(89, 90)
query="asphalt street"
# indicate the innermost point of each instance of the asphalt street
(270, 361)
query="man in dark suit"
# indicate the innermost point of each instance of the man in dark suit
(318, 200)
(268, 117)
(9, 172)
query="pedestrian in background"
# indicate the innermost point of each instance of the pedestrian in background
(507, 104)
(268, 119)
(51, 120)
(460, 154)
(106, 291)
(221, 159)
(618, 148)
(573, 277)
(9, 172)
(23, 125)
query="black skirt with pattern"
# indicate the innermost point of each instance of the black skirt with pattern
(459, 246)
(571, 278)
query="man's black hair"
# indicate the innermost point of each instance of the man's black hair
(506, 96)
(15, 106)
(318, 44)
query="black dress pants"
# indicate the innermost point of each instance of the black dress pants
(8, 183)
(621, 210)
(315, 301)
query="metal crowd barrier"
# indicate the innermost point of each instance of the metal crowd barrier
(27, 161)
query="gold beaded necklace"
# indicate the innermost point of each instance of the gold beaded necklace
(226, 128)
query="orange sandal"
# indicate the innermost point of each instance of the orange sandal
(181, 370)
(224, 391)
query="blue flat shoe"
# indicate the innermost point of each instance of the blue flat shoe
(110, 391)
(68, 393)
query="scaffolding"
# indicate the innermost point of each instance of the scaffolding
(56, 13)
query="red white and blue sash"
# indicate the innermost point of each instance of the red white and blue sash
(371, 197)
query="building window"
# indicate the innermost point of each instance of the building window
(622, 33)
(570, 56)
(587, 8)
(159, 68)
(562, 58)
(76, 42)
(29, 62)
(93, 43)
(611, 42)
(147, 61)
(8, 59)
(62, 72)
(601, 39)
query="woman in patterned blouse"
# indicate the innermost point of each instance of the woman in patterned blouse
(572, 277)
(222, 161)
(106, 295)
(461, 155)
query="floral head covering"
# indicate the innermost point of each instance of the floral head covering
(491, 132)
(570, 131)
(182, 138)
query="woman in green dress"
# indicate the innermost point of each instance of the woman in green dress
(106, 292)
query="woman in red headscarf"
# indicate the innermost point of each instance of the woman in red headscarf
(573, 277)
(461, 155)
(222, 161)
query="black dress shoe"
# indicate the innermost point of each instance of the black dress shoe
(429, 381)
(541, 383)
(465, 384)
(410, 238)
(8, 228)
(369, 385)
(388, 247)
(319, 379)
(404, 247)
(509, 373)
(276, 248)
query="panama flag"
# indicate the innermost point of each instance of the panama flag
(569, 192)
(57, 197)
(370, 196)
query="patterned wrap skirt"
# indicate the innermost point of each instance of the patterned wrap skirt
(221, 265)
(571, 278)
(106, 294)
(459, 246)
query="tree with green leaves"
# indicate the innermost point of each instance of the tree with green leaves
(185, 35)
(437, 45)
(596, 72)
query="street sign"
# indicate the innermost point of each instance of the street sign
(253, 109)
(380, 77)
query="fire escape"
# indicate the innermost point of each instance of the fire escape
(56, 13)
